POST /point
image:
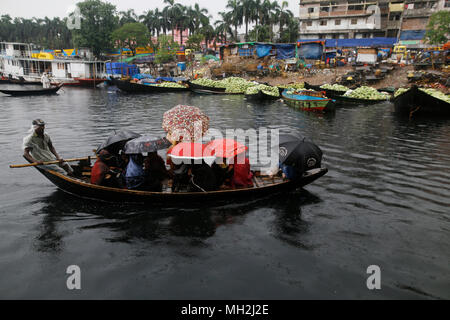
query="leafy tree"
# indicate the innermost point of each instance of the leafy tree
(98, 21)
(438, 29)
(195, 41)
(167, 49)
(131, 36)
(260, 33)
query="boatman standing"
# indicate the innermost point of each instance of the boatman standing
(38, 148)
(45, 81)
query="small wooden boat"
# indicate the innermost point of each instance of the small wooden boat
(194, 86)
(132, 87)
(343, 100)
(202, 91)
(37, 92)
(80, 186)
(82, 82)
(261, 97)
(328, 92)
(417, 102)
(308, 101)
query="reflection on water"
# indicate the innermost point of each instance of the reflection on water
(142, 222)
(384, 201)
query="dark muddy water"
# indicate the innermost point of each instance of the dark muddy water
(385, 202)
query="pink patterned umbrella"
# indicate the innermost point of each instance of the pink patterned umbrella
(185, 123)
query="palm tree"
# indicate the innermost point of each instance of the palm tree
(128, 16)
(235, 15)
(223, 26)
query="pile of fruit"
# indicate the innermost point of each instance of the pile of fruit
(437, 94)
(209, 83)
(400, 91)
(269, 90)
(237, 85)
(367, 93)
(169, 85)
(292, 86)
(335, 87)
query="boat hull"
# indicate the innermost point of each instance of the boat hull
(416, 102)
(131, 87)
(261, 97)
(194, 86)
(329, 93)
(85, 190)
(39, 92)
(309, 103)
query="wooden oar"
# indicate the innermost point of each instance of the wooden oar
(49, 162)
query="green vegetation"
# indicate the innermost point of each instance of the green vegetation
(131, 36)
(167, 49)
(100, 25)
(98, 21)
(438, 28)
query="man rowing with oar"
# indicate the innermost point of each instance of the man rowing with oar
(38, 148)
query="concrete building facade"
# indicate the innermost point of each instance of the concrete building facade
(342, 19)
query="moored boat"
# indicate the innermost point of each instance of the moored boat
(308, 101)
(36, 92)
(132, 87)
(260, 96)
(194, 86)
(417, 102)
(81, 187)
(328, 92)
(344, 100)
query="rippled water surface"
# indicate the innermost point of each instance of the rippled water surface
(385, 202)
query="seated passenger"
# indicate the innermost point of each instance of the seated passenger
(242, 175)
(203, 178)
(290, 172)
(223, 173)
(181, 177)
(102, 174)
(135, 175)
(155, 171)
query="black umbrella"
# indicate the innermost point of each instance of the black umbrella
(296, 151)
(116, 142)
(146, 144)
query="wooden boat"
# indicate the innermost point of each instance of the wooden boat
(343, 100)
(328, 92)
(81, 187)
(132, 87)
(417, 102)
(202, 91)
(37, 92)
(308, 102)
(261, 97)
(194, 86)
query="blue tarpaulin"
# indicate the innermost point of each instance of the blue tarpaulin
(141, 76)
(263, 50)
(285, 51)
(121, 68)
(165, 79)
(412, 35)
(364, 42)
(310, 50)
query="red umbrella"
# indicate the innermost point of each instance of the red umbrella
(187, 151)
(185, 123)
(225, 148)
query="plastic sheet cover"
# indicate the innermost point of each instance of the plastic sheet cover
(263, 50)
(285, 51)
(310, 51)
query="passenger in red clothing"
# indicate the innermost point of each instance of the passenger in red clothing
(101, 173)
(242, 176)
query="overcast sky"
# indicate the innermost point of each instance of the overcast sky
(59, 8)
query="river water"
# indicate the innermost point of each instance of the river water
(384, 202)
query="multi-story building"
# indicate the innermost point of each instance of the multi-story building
(341, 19)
